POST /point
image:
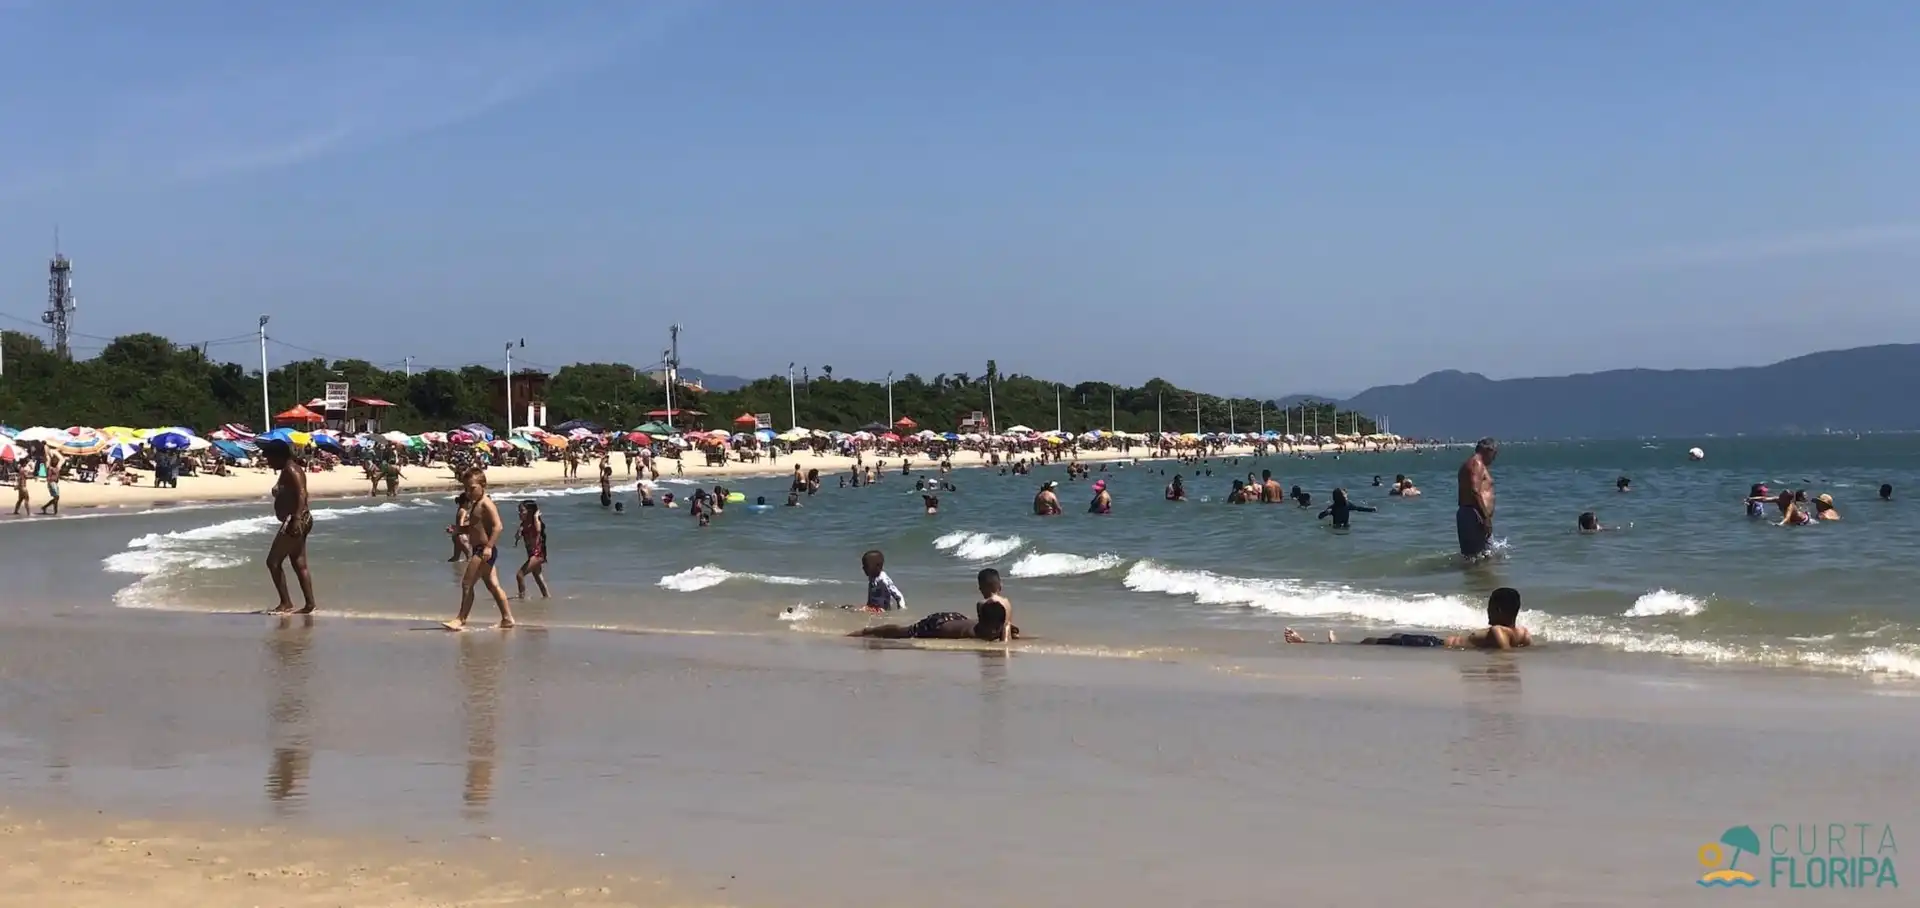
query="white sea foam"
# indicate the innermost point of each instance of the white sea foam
(206, 548)
(712, 575)
(978, 546)
(1665, 602)
(1286, 597)
(1062, 564)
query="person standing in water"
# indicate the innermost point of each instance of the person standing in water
(483, 535)
(296, 522)
(532, 535)
(1045, 502)
(1341, 510)
(1473, 519)
(1102, 502)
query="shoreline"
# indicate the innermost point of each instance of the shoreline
(490, 762)
(345, 483)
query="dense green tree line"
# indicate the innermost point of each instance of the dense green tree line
(145, 380)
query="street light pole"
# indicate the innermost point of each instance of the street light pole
(793, 411)
(889, 398)
(523, 343)
(1056, 409)
(266, 408)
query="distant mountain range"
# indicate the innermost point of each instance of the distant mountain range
(1866, 388)
(713, 381)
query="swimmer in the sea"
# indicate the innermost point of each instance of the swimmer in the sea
(1341, 509)
(1623, 484)
(1823, 508)
(1177, 489)
(992, 621)
(1503, 630)
(1590, 523)
(1886, 491)
(1045, 502)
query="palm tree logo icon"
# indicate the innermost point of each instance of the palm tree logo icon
(1739, 839)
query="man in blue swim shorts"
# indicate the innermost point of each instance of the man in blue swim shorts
(1473, 519)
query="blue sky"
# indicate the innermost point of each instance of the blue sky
(1256, 197)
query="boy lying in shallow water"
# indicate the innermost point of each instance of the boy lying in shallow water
(994, 621)
(1503, 630)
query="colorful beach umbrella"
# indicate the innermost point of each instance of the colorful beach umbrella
(121, 450)
(81, 445)
(10, 452)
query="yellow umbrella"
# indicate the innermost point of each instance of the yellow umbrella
(553, 441)
(301, 439)
(122, 433)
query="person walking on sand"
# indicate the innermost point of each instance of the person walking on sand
(296, 523)
(1473, 519)
(532, 535)
(483, 534)
(23, 499)
(56, 462)
(390, 471)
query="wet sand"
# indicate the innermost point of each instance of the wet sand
(769, 771)
(95, 862)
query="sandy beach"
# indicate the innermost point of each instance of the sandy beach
(93, 861)
(346, 482)
(775, 772)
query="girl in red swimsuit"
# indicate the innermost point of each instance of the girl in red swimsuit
(533, 535)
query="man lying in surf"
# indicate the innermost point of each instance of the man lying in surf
(993, 619)
(1503, 630)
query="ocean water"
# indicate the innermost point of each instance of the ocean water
(1691, 578)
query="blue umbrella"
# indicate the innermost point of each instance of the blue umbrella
(952, 436)
(169, 440)
(122, 450)
(326, 441)
(764, 435)
(231, 449)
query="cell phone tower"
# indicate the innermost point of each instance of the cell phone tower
(60, 300)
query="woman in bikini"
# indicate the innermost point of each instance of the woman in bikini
(296, 522)
(532, 534)
(993, 619)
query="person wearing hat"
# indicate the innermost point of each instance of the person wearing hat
(1102, 501)
(1045, 502)
(1823, 508)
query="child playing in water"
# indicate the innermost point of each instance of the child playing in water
(882, 594)
(1503, 630)
(1341, 510)
(993, 619)
(532, 534)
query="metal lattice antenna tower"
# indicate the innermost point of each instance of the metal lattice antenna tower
(60, 300)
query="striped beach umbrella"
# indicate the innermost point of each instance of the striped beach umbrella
(81, 445)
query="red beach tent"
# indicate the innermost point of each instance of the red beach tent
(300, 414)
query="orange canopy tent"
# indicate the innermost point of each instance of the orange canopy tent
(746, 419)
(906, 422)
(299, 414)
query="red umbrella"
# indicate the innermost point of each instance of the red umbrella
(640, 438)
(906, 422)
(889, 437)
(746, 419)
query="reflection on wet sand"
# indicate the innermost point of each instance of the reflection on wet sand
(480, 663)
(993, 705)
(290, 734)
(1492, 744)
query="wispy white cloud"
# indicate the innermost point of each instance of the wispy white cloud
(345, 88)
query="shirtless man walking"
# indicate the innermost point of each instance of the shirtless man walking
(1473, 520)
(483, 532)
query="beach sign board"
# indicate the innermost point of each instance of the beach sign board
(336, 396)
